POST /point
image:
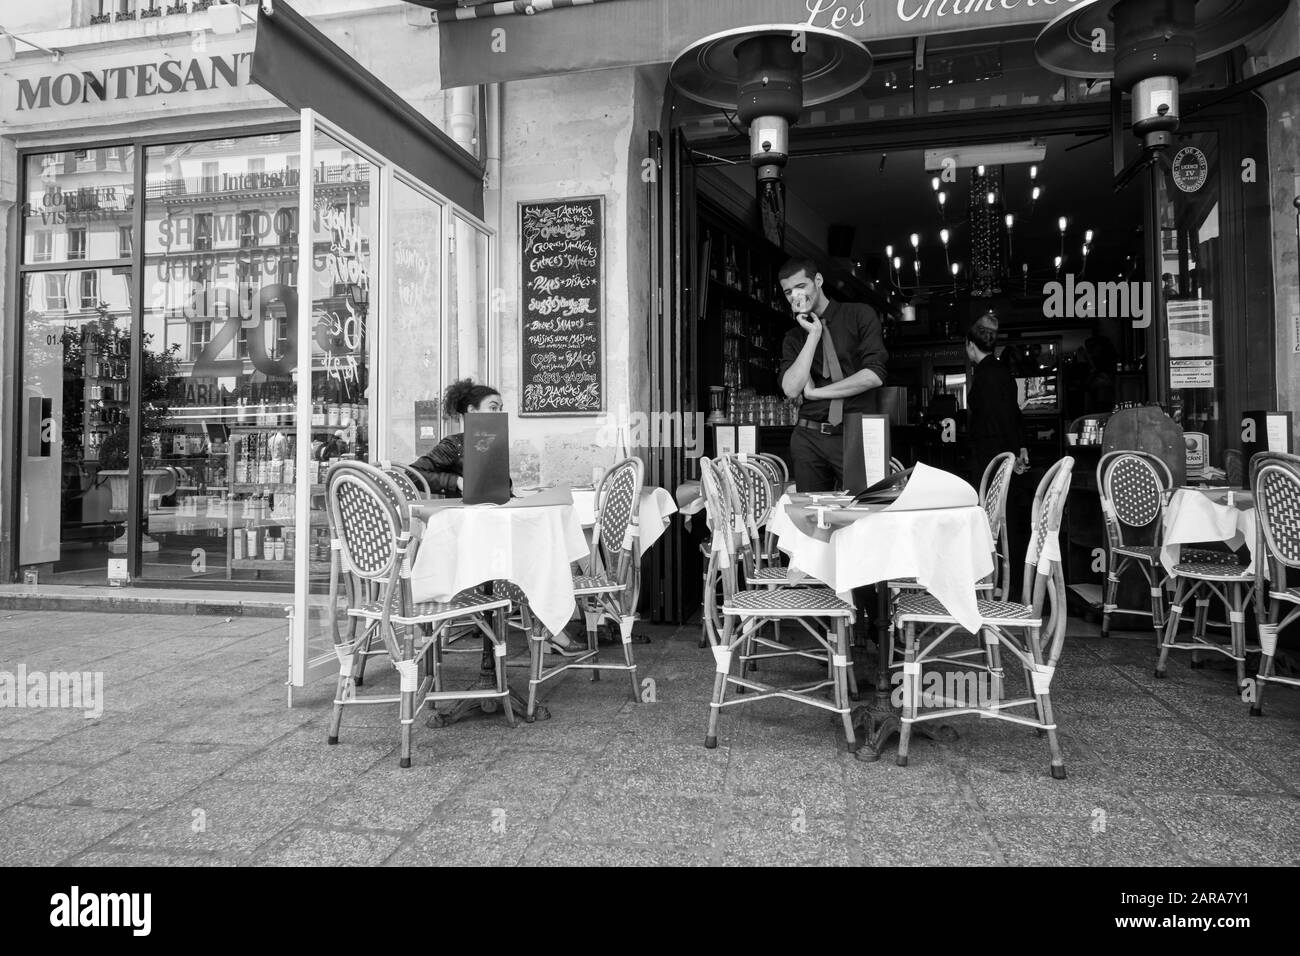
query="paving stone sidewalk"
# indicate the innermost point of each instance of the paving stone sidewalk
(196, 761)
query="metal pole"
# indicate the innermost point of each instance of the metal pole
(1156, 333)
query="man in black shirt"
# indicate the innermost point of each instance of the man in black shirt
(833, 359)
(994, 407)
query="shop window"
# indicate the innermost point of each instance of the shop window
(89, 290)
(76, 244)
(124, 242)
(200, 337)
(43, 242)
(56, 291)
(210, 178)
(203, 232)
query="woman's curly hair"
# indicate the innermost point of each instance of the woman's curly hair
(461, 396)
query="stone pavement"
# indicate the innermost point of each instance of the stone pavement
(197, 761)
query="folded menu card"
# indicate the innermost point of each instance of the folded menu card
(932, 488)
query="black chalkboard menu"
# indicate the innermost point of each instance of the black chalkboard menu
(562, 305)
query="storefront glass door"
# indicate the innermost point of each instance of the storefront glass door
(75, 302)
(1192, 267)
(218, 393)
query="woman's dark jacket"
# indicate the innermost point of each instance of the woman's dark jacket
(442, 466)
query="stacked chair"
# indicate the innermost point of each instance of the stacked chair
(1275, 481)
(734, 617)
(1031, 630)
(371, 556)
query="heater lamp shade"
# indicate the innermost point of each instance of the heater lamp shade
(1066, 45)
(709, 71)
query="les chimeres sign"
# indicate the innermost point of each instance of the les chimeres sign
(134, 80)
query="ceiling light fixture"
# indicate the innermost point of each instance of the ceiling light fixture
(992, 154)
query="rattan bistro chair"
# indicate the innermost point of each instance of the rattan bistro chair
(1132, 486)
(603, 589)
(1032, 630)
(742, 614)
(413, 484)
(995, 484)
(373, 525)
(1275, 481)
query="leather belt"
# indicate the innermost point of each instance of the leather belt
(825, 428)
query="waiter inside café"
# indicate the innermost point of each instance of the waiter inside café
(834, 358)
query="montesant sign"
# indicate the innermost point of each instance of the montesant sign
(638, 32)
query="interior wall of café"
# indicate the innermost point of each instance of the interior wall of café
(583, 134)
(1282, 100)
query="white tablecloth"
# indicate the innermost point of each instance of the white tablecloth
(1198, 515)
(653, 514)
(466, 545)
(947, 550)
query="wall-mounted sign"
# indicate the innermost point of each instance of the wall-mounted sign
(160, 77)
(1191, 373)
(131, 81)
(1190, 169)
(562, 299)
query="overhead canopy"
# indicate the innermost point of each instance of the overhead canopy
(613, 33)
(301, 66)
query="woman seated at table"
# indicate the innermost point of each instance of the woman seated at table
(444, 467)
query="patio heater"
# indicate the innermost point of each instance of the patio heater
(1149, 47)
(767, 75)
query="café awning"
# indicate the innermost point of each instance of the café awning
(303, 68)
(492, 42)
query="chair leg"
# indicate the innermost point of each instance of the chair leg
(592, 614)
(1042, 697)
(1112, 593)
(911, 692)
(852, 677)
(537, 648)
(345, 690)
(625, 625)
(1199, 628)
(1154, 581)
(722, 657)
(1237, 621)
(843, 674)
(501, 628)
(1267, 648)
(1171, 626)
(993, 656)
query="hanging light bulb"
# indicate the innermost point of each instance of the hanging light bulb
(889, 252)
(1037, 192)
(1033, 173)
(956, 268)
(1011, 220)
(993, 197)
(981, 170)
(1062, 223)
(943, 236)
(916, 240)
(1087, 237)
(1024, 268)
(1086, 249)
(943, 198)
(898, 263)
(934, 183)
(1058, 263)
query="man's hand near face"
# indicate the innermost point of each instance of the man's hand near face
(810, 323)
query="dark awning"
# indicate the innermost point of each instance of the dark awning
(638, 32)
(301, 66)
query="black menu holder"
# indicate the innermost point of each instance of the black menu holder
(1264, 431)
(487, 458)
(856, 469)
